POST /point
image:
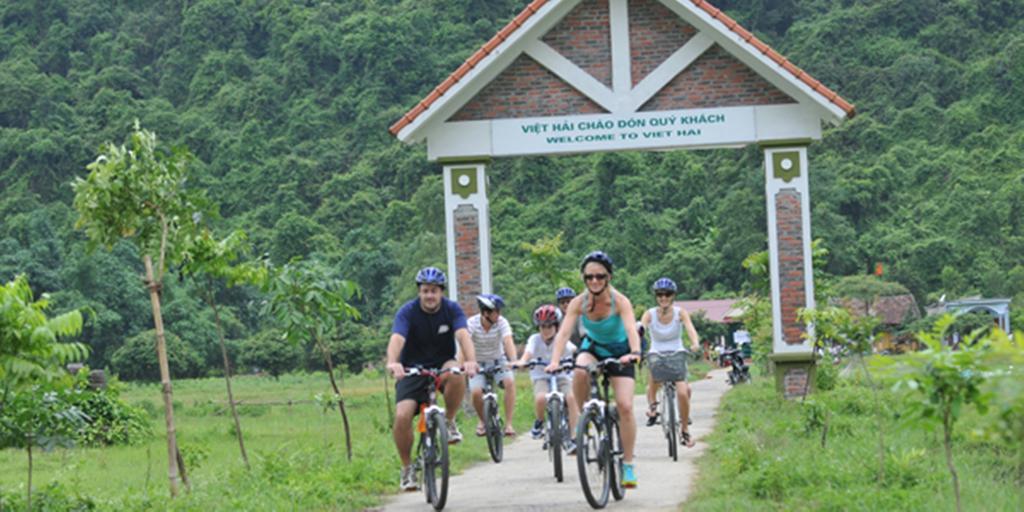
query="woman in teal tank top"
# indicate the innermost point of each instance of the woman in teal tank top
(610, 331)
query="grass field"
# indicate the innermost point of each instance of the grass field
(297, 451)
(766, 455)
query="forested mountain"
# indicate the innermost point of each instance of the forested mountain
(286, 107)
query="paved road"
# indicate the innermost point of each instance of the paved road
(524, 482)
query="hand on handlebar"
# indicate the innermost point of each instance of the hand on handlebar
(471, 368)
(629, 358)
(397, 370)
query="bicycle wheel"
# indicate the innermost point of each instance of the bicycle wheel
(671, 422)
(493, 427)
(592, 458)
(615, 453)
(555, 435)
(435, 460)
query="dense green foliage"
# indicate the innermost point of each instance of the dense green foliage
(285, 107)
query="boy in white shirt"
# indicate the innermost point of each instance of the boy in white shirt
(547, 319)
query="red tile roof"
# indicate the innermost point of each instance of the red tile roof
(721, 310)
(535, 5)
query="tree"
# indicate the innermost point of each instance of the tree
(139, 192)
(31, 413)
(211, 260)
(309, 303)
(945, 380)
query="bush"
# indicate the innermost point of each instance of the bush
(137, 360)
(111, 421)
(270, 352)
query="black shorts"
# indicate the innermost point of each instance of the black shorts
(413, 387)
(615, 370)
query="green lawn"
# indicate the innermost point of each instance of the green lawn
(297, 450)
(766, 455)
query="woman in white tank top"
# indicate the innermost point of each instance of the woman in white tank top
(665, 324)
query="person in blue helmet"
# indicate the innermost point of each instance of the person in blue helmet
(665, 324)
(492, 341)
(609, 326)
(563, 296)
(424, 334)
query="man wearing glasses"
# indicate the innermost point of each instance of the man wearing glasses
(610, 331)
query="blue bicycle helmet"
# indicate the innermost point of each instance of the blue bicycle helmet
(565, 293)
(599, 257)
(490, 301)
(664, 284)
(431, 275)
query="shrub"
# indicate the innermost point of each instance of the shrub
(136, 359)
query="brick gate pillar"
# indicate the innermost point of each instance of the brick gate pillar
(469, 233)
(792, 278)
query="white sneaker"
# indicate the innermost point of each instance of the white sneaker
(410, 480)
(454, 436)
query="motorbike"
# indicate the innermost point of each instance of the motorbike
(739, 372)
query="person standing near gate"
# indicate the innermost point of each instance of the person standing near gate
(610, 324)
(424, 334)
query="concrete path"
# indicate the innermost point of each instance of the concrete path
(524, 482)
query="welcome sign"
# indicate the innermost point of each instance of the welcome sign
(638, 130)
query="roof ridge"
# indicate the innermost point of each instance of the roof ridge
(534, 6)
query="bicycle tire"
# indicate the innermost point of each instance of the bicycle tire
(615, 455)
(555, 435)
(591, 458)
(435, 460)
(493, 427)
(672, 431)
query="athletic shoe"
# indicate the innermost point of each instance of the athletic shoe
(570, 447)
(538, 429)
(454, 436)
(628, 476)
(410, 480)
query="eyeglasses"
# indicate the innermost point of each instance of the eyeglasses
(595, 277)
(663, 294)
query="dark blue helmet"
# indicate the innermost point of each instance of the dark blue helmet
(490, 301)
(431, 275)
(664, 285)
(599, 257)
(565, 293)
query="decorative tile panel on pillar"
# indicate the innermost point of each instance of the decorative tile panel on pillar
(789, 249)
(469, 240)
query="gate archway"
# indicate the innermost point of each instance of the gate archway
(581, 76)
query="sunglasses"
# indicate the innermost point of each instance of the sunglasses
(664, 294)
(595, 277)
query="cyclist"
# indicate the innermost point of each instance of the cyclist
(424, 333)
(492, 341)
(665, 324)
(610, 331)
(547, 319)
(563, 296)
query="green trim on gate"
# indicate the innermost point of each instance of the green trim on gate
(769, 144)
(469, 187)
(786, 165)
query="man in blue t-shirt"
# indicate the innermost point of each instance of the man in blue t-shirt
(424, 334)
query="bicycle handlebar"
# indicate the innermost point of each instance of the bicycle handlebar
(432, 372)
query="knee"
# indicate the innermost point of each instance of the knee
(402, 418)
(626, 408)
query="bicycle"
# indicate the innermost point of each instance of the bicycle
(556, 420)
(432, 451)
(599, 448)
(667, 413)
(494, 425)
